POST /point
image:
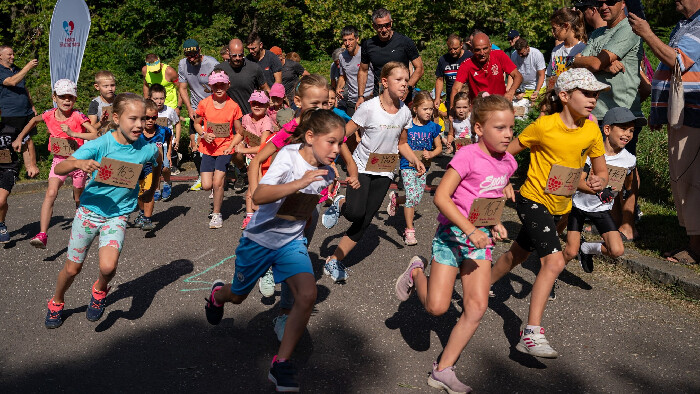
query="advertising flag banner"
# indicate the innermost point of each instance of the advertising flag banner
(70, 26)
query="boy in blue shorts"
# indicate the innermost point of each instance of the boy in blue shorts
(167, 117)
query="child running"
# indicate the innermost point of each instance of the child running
(424, 139)
(167, 117)
(63, 122)
(106, 84)
(460, 248)
(461, 129)
(271, 241)
(559, 145)
(277, 102)
(618, 128)
(103, 207)
(219, 115)
(384, 119)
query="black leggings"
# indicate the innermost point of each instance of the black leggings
(362, 204)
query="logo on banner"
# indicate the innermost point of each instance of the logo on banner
(68, 26)
(69, 41)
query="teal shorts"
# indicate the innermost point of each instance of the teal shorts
(451, 246)
(86, 225)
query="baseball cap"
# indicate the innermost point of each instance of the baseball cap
(276, 50)
(218, 76)
(585, 4)
(512, 34)
(190, 45)
(277, 90)
(621, 115)
(259, 97)
(578, 78)
(65, 86)
(153, 66)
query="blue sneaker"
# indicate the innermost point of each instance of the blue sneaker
(4, 235)
(284, 376)
(138, 222)
(156, 195)
(53, 315)
(96, 307)
(330, 217)
(167, 192)
(336, 270)
(214, 313)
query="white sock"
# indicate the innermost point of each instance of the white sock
(591, 248)
(535, 329)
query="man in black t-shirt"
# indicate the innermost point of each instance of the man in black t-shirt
(385, 47)
(447, 67)
(268, 62)
(245, 76)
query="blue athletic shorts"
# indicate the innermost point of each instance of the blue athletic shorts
(253, 260)
(212, 163)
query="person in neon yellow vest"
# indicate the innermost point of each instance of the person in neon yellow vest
(158, 72)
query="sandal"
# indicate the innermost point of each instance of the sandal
(685, 256)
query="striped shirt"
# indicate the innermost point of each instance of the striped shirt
(685, 39)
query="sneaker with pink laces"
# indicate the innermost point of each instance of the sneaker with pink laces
(246, 220)
(39, 240)
(96, 307)
(391, 208)
(53, 315)
(409, 236)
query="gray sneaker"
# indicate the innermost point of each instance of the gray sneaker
(404, 283)
(447, 380)
(267, 284)
(216, 221)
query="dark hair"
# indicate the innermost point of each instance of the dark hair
(120, 104)
(293, 56)
(151, 105)
(421, 97)
(349, 29)
(319, 121)
(151, 57)
(551, 103)
(252, 38)
(461, 96)
(156, 88)
(484, 106)
(520, 44)
(223, 50)
(572, 17)
(380, 13)
(453, 37)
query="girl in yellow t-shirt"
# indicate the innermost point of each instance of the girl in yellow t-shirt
(559, 145)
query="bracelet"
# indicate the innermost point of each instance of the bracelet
(473, 231)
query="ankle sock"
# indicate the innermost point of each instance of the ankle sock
(591, 248)
(533, 329)
(249, 214)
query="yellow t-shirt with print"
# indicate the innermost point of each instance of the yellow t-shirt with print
(551, 142)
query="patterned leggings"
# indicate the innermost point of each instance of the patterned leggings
(414, 186)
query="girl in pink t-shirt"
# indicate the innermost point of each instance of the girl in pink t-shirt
(478, 170)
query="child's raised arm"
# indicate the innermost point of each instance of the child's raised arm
(17, 143)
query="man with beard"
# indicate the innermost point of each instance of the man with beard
(447, 67)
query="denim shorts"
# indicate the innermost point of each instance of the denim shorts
(451, 246)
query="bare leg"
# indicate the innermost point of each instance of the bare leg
(47, 205)
(552, 266)
(303, 287)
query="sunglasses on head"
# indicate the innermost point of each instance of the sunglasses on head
(382, 26)
(609, 3)
(151, 117)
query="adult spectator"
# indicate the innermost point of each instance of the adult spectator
(447, 67)
(245, 76)
(268, 62)
(349, 62)
(387, 46)
(223, 52)
(590, 14)
(684, 139)
(614, 54)
(16, 104)
(485, 71)
(335, 67)
(531, 64)
(291, 72)
(468, 43)
(513, 37)
(158, 72)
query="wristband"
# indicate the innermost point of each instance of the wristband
(473, 231)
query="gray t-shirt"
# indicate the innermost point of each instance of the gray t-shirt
(621, 41)
(349, 67)
(529, 66)
(197, 77)
(244, 81)
(96, 107)
(269, 64)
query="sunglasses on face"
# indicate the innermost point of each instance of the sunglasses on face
(235, 55)
(151, 117)
(609, 3)
(382, 26)
(191, 54)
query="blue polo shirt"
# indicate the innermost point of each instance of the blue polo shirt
(14, 100)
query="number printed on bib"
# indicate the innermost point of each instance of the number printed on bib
(5, 156)
(616, 177)
(62, 146)
(298, 206)
(220, 130)
(563, 181)
(118, 173)
(486, 211)
(382, 162)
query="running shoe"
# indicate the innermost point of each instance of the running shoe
(216, 221)
(147, 224)
(214, 313)
(156, 195)
(39, 241)
(336, 270)
(409, 237)
(280, 323)
(586, 260)
(174, 171)
(267, 284)
(96, 307)
(167, 192)
(391, 208)
(4, 235)
(404, 283)
(447, 380)
(332, 214)
(535, 344)
(53, 315)
(197, 185)
(284, 376)
(246, 220)
(138, 222)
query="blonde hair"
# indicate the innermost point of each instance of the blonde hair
(310, 81)
(485, 105)
(390, 67)
(104, 74)
(121, 102)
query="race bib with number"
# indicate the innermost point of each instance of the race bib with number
(563, 181)
(616, 177)
(118, 173)
(462, 142)
(382, 162)
(250, 138)
(298, 206)
(486, 211)
(220, 130)
(62, 146)
(5, 156)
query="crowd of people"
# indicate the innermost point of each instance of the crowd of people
(285, 134)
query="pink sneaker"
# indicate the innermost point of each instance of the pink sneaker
(409, 236)
(391, 208)
(39, 241)
(246, 220)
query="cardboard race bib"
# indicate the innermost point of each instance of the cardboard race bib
(616, 177)
(220, 130)
(162, 121)
(118, 173)
(250, 138)
(563, 181)
(462, 142)
(102, 130)
(486, 211)
(62, 146)
(5, 156)
(382, 162)
(426, 162)
(519, 110)
(298, 206)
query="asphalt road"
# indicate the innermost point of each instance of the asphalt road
(154, 337)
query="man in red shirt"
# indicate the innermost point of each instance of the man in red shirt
(486, 71)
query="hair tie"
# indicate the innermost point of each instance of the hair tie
(485, 94)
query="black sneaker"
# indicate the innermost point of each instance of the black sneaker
(586, 261)
(241, 183)
(53, 315)
(96, 307)
(284, 376)
(214, 313)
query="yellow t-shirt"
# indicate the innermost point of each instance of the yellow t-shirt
(551, 142)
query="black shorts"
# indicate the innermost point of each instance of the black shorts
(7, 179)
(539, 231)
(18, 122)
(602, 221)
(214, 163)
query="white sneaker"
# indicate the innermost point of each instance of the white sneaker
(280, 323)
(267, 284)
(216, 221)
(535, 344)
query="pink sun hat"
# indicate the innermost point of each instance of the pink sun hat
(277, 90)
(218, 76)
(259, 97)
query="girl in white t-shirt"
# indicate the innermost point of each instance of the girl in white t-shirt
(461, 128)
(275, 235)
(384, 120)
(568, 27)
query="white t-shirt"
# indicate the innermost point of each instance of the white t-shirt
(561, 55)
(169, 113)
(381, 132)
(528, 67)
(265, 228)
(590, 202)
(463, 128)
